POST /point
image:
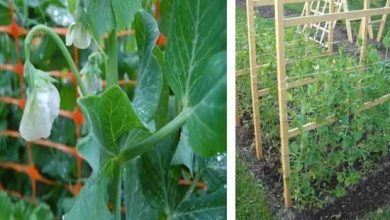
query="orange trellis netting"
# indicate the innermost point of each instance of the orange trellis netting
(29, 169)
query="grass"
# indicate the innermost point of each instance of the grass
(380, 214)
(250, 201)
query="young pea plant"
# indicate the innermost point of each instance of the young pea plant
(386, 43)
(173, 130)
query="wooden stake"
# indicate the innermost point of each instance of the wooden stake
(383, 23)
(238, 121)
(370, 30)
(348, 22)
(253, 73)
(363, 36)
(363, 47)
(331, 28)
(307, 27)
(282, 90)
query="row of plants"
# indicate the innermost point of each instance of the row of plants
(326, 161)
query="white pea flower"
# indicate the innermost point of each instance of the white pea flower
(78, 32)
(90, 74)
(78, 35)
(43, 105)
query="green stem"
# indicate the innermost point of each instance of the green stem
(116, 190)
(112, 65)
(61, 45)
(148, 144)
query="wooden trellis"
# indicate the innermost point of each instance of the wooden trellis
(318, 31)
(331, 17)
(381, 22)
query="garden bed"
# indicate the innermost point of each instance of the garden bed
(337, 170)
(370, 194)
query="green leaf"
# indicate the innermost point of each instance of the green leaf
(161, 192)
(137, 207)
(214, 172)
(165, 16)
(184, 154)
(68, 102)
(110, 114)
(212, 206)
(158, 186)
(197, 34)
(162, 118)
(91, 203)
(89, 150)
(22, 210)
(6, 206)
(136, 136)
(71, 5)
(42, 212)
(198, 31)
(149, 78)
(100, 17)
(124, 11)
(207, 123)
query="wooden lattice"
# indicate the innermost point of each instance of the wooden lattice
(318, 31)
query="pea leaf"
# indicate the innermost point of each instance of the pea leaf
(137, 207)
(184, 154)
(100, 17)
(110, 114)
(72, 5)
(197, 34)
(158, 186)
(23, 210)
(6, 206)
(91, 203)
(42, 212)
(124, 11)
(209, 109)
(104, 16)
(149, 78)
(212, 206)
(214, 174)
(89, 149)
(165, 16)
(151, 176)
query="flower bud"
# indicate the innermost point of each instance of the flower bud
(90, 74)
(78, 32)
(43, 105)
(78, 35)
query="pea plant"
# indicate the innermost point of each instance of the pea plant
(156, 153)
(326, 161)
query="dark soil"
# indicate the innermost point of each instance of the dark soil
(266, 170)
(371, 193)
